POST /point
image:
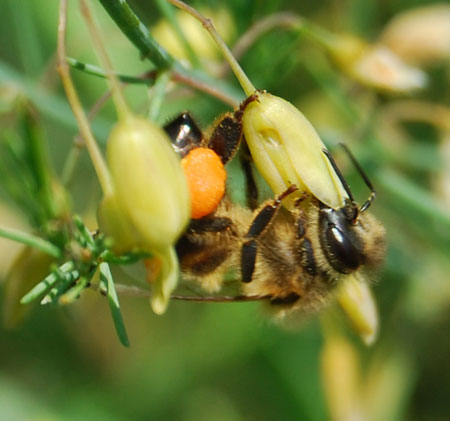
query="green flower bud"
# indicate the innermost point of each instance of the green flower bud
(149, 206)
(287, 150)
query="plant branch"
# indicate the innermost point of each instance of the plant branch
(244, 81)
(93, 70)
(136, 31)
(194, 80)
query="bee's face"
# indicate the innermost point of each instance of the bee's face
(350, 242)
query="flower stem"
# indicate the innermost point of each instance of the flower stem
(244, 81)
(63, 69)
(119, 101)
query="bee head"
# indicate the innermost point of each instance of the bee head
(350, 242)
(349, 236)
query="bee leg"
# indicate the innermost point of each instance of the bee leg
(184, 133)
(250, 184)
(227, 134)
(305, 249)
(300, 216)
(260, 223)
(195, 250)
(248, 260)
(215, 224)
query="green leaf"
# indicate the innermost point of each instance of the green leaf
(49, 282)
(30, 240)
(73, 293)
(106, 282)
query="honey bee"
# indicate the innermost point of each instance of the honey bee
(292, 258)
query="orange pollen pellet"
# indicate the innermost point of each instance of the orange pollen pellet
(206, 178)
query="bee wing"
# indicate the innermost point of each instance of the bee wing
(287, 150)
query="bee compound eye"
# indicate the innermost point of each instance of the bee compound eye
(340, 241)
(343, 254)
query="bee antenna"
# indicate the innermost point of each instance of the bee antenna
(363, 175)
(340, 176)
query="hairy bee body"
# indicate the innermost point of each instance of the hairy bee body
(292, 256)
(293, 267)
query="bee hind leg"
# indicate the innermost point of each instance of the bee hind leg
(227, 133)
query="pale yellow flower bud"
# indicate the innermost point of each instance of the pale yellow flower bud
(195, 35)
(287, 150)
(341, 378)
(375, 66)
(356, 299)
(149, 207)
(149, 184)
(420, 35)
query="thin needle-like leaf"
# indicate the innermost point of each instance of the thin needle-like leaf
(30, 240)
(107, 280)
(73, 293)
(45, 285)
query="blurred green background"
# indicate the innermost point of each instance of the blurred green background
(227, 361)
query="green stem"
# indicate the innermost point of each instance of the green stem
(193, 78)
(122, 109)
(139, 35)
(94, 151)
(136, 31)
(244, 81)
(99, 72)
(30, 240)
